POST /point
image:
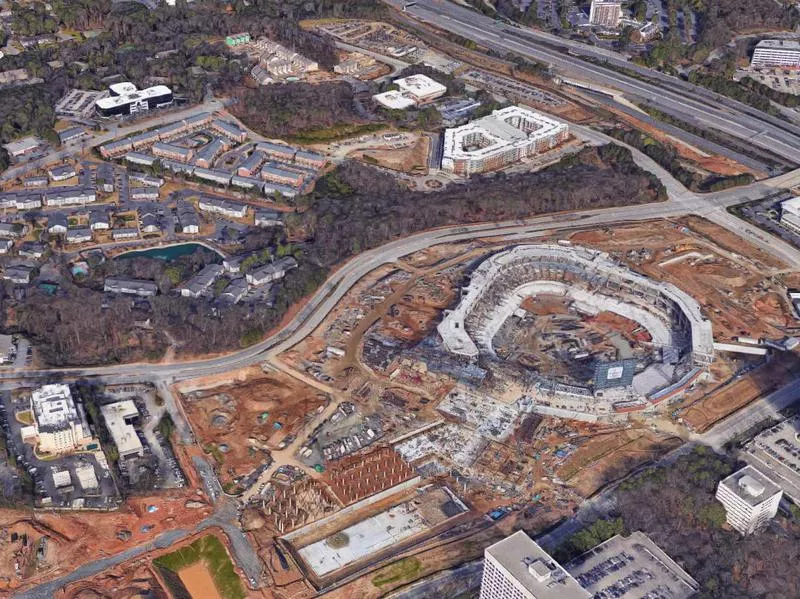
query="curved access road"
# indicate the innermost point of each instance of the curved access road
(342, 280)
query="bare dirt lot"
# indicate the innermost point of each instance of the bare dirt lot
(606, 457)
(78, 537)
(197, 580)
(131, 580)
(239, 422)
(413, 158)
(701, 414)
(728, 277)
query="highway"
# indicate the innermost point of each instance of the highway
(673, 96)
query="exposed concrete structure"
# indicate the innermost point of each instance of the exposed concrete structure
(593, 283)
(605, 13)
(630, 568)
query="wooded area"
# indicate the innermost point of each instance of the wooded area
(667, 157)
(357, 207)
(354, 208)
(675, 506)
(140, 44)
(292, 108)
(82, 325)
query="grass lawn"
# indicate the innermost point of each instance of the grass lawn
(400, 571)
(25, 417)
(212, 552)
(334, 133)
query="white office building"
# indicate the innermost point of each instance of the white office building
(517, 568)
(414, 90)
(770, 54)
(118, 418)
(59, 424)
(750, 498)
(421, 88)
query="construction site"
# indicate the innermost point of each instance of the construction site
(38, 546)
(241, 417)
(573, 360)
(678, 336)
(336, 548)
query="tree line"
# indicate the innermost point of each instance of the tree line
(357, 207)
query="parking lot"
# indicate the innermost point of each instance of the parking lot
(158, 455)
(105, 496)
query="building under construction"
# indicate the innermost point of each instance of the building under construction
(360, 476)
(592, 282)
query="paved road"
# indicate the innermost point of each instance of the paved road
(48, 590)
(746, 418)
(341, 281)
(681, 99)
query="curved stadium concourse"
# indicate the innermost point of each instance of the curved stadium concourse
(594, 283)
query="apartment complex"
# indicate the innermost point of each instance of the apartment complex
(208, 153)
(66, 196)
(279, 62)
(237, 39)
(59, 424)
(165, 133)
(770, 54)
(750, 498)
(141, 287)
(172, 152)
(517, 568)
(271, 272)
(222, 206)
(605, 13)
(502, 138)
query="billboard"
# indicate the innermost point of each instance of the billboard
(618, 373)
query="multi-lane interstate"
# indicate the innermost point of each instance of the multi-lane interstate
(681, 99)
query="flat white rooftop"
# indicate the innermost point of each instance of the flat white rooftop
(421, 87)
(751, 486)
(120, 89)
(53, 406)
(532, 567)
(364, 539)
(792, 206)
(133, 96)
(394, 100)
(498, 132)
(124, 435)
